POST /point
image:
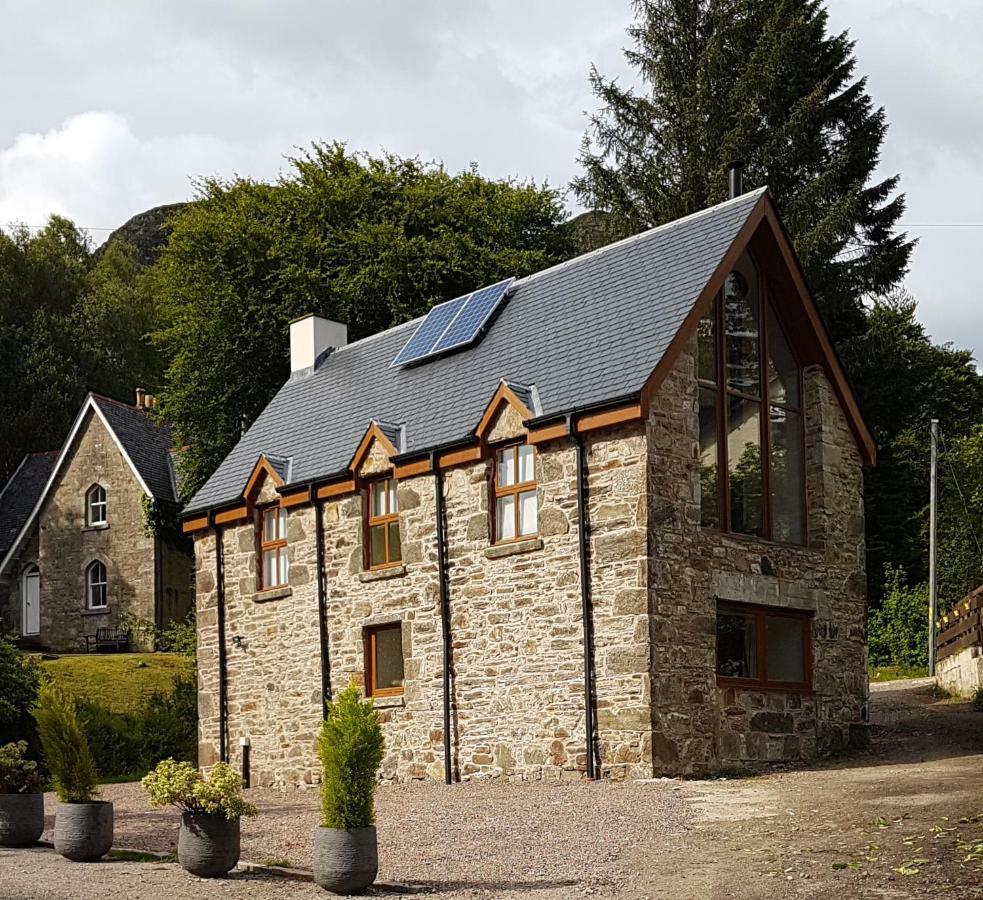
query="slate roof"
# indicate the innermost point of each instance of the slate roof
(584, 332)
(146, 443)
(21, 493)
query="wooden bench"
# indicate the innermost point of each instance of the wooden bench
(108, 640)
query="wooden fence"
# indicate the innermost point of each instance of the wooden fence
(960, 628)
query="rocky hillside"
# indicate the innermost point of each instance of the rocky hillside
(147, 232)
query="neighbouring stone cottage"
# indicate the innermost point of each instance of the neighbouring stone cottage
(75, 549)
(604, 519)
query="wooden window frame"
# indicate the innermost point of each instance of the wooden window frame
(385, 520)
(723, 392)
(370, 638)
(264, 545)
(90, 503)
(90, 584)
(761, 613)
(514, 490)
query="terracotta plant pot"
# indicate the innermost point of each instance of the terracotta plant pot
(345, 862)
(21, 819)
(84, 831)
(208, 845)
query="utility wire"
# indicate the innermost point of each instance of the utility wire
(962, 497)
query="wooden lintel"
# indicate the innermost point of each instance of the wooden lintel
(411, 469)
(335, 489)
(190, 525)
(228, 516)
(617, 416)
(548, 433)
(295, 498)
(459, 457)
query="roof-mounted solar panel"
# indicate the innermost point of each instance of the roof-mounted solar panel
(454, 324)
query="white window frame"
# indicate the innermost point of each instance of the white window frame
(96, 498)
(91, 584)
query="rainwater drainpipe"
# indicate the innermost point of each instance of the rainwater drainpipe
(322, 614)
(445, 614)
(223, 713)
(583, 531)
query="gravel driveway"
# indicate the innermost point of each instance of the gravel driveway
(902, 820)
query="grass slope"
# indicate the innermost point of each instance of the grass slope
(120, 682)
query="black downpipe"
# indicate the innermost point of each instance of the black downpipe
(322, 613)
(583, 532)
(445, 614)
(223, 712)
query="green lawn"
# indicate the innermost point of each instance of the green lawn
(893, 673)
(120, 682)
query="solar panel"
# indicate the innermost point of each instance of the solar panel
(453, 324)
(472, 318)
(429, 331)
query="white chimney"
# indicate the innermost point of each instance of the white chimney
(310, 336)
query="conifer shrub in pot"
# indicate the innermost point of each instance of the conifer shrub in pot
(83, 825)
(208, 842)
(346, 853)
(21, 797)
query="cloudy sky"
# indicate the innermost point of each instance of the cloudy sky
(111, 107)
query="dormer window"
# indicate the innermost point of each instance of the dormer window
(750, 415)
(516, 502)
(95, 505)
(383, 547)
(273, 564)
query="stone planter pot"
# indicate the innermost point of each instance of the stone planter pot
(21, 819)
(345, 862)
(208, 845)
(84, 831)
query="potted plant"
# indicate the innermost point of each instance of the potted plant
(83, 825)
(208, 842)
(21, 797)
(346, 853)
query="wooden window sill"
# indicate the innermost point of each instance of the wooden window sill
(277, 593)
(390, 702)
(382, 574)
(499, 551)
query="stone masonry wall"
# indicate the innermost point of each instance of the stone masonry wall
(518, 701)
(698, 727)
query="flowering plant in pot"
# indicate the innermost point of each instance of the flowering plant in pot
(346, 854)
(83, 825)
(208, 843)
(21, 797)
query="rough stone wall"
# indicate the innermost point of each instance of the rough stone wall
(176, 594)
(67, 546)
(518, 707)
(698, 727)
(11, 611)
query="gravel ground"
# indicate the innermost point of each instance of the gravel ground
(901, 820)
(480, 838)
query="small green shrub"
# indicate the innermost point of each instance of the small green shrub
(180, 637)
(898, 631)
(20, 678)
(18, 774)
(66, 750)
(114, 739)
(350, 749)
(180, 784)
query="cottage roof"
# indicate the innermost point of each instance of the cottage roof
(145, 445)
(21, 493)
(583, 333)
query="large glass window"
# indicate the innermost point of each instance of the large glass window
(762, 647)
(273, 547)
(384, 660)
(384, 548)
(516, 512)
(750, 416)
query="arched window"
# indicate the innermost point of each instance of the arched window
(95, 505)
(95, 585)
(750, 411)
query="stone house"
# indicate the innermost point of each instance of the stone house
(76, 552)
(606, 519)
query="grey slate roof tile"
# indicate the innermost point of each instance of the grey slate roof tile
(21, 493)
(584, 332)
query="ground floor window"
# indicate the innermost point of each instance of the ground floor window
(95, 585)
(384, 660)
(761, 646)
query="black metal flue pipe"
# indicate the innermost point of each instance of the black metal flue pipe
(322, 614)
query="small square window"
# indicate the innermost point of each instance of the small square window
(384, 660)
(762, 647)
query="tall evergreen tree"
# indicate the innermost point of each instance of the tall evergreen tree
(762, 81)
